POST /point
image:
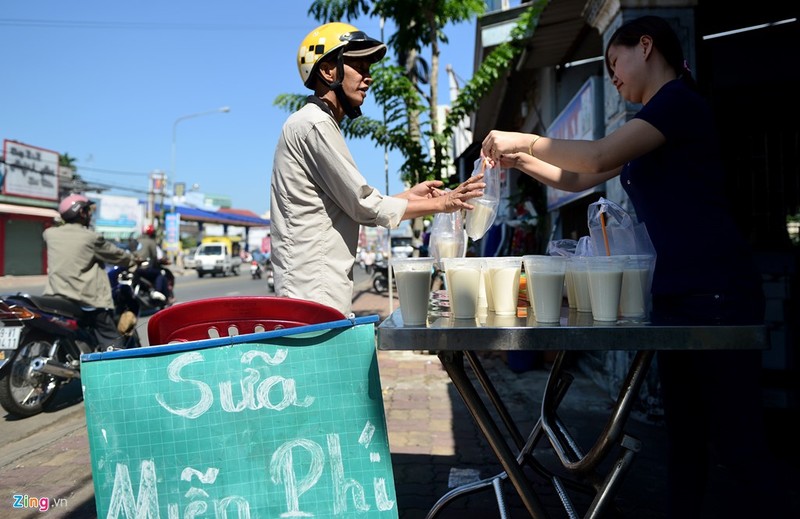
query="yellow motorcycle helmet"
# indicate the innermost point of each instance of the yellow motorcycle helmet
(332, 37)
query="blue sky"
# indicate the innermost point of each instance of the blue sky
(105, 81)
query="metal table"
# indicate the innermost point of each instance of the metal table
(456, 339)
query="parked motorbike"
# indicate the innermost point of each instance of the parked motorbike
(380, 276)
(41, 341)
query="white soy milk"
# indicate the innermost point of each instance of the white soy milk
(505, 289)
(604, 291)
(487, 286)
(572, 298)
(414, 291)
(463, 284)
(480, 218)
(632, 299)
(448, 248)
(547, 289)
(580, 282)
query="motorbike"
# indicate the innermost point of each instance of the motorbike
(380, 276)
(135, 293)
(270, 277)
(255, 269)
(41, 341)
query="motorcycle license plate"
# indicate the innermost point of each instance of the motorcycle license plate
(9, 337)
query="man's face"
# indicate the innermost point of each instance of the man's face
(357, 80)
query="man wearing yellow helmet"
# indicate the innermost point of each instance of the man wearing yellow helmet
(318, 196)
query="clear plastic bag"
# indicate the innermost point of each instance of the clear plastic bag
(561, 247)
(484, 213)
(448, 239)
(615, 232)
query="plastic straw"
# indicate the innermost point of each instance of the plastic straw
(605, 235)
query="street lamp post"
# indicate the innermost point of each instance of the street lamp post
(223, 109)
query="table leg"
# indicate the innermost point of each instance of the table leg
(491, 392)
(564, 445)
(453, 362)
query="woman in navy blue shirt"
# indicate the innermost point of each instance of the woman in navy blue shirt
(669, 164)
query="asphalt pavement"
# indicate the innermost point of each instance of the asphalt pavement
(433, 440)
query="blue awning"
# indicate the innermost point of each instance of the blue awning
(192, 214)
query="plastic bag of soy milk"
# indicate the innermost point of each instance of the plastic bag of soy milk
(482, 216)
(448, 239)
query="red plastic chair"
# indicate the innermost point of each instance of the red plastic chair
(229, 316)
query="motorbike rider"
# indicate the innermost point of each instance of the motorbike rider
(76, 260)
(148, 252)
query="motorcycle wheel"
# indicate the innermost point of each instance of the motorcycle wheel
(380, 284)
(22, 392)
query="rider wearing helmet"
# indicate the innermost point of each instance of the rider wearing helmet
(76, 260)
(148, 253)
(318, 197)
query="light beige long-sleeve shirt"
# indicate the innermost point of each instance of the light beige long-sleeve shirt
(318, 200)
(76, 262)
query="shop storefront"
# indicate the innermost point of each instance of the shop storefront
(28, 201)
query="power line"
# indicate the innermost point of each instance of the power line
(148, 26)
(114, 172)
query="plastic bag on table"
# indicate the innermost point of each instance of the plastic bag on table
(448, 239)
(561, 247)
(484, 213)
(614, 232)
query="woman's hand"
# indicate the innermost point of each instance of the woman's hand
(498, 143)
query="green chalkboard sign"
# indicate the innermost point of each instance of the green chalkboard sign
(279, 424)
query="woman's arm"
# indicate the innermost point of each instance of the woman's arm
(554, 176)
(600, 157)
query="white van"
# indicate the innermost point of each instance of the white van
(215, 258)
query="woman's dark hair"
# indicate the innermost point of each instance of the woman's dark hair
(664, 39)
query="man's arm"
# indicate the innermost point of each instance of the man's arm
(111, 254)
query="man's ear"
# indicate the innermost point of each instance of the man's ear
(327, 70)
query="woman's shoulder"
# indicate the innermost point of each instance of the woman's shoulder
(674, 106)
(677, 94)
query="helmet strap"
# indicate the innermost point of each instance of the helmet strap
(351, 111)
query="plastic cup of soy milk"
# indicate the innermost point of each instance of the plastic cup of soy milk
(501, 277)
(546, 285)
(463, 277)
(634, 300)
(605, 285)
(577, 281)
(413, 278)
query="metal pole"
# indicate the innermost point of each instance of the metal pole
(223, 109)
(386, 176)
